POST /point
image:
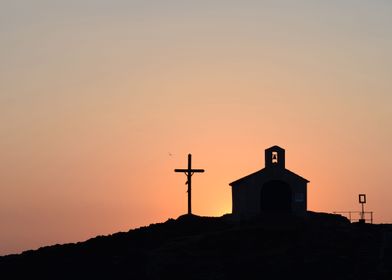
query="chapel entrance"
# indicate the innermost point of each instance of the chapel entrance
(276, 197)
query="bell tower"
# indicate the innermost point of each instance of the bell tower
(275, 157)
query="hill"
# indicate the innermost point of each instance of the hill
(321, 246)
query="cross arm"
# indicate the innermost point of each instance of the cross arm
(189, 170)
(180, 170)
(197, 170)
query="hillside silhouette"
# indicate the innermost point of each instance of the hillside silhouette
(318, 246)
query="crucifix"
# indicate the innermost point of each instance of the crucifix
(189, 172)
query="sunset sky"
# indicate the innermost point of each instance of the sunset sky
(101, 100)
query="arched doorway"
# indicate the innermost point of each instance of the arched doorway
(276, 197)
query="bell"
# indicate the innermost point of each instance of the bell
(274, 156)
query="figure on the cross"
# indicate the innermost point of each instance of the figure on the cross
(189, 172)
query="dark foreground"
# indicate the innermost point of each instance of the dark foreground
(322, 246)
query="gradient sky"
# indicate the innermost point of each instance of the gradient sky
(94, 95)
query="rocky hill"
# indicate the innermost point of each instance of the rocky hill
(320, 246)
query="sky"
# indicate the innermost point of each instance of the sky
(101, 100)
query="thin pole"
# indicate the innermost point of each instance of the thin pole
(189, 175)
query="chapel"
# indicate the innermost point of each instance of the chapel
(271, 190)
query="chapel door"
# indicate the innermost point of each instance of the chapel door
(276, 197)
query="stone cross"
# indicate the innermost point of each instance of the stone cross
(189, 172)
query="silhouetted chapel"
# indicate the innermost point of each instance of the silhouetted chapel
(273, 189)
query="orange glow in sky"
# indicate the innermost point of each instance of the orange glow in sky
(101, 100)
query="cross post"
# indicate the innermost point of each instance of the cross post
(189, 172)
